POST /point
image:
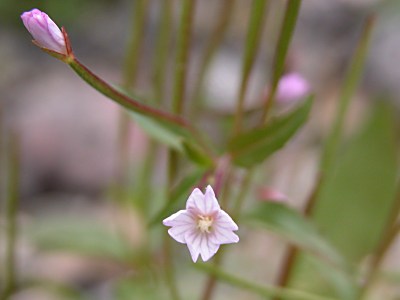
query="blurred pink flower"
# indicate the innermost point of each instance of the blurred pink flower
(203, 225)
(292, 87)
(44, 31)
(270, 194)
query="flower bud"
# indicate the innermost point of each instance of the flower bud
(292, 87)
(44, 31)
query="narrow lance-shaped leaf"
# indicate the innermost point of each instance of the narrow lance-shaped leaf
(253, 147)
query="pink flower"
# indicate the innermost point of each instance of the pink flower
(203, 225)
(271, 194)
(292, 87)
(44, 31)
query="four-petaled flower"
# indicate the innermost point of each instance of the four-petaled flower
(203, 225)
(44, 31)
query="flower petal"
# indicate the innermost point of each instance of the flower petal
(195, 202)
(223, 220)
(221, 235)
(193, 240)
(178, 232)
(211, 203)
(204, 204)
(182, 217)
(207, 248)
(200, 244)
(44, 31)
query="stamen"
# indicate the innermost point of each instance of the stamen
(204, 223)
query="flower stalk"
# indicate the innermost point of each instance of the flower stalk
(287, 29)
(10, 280)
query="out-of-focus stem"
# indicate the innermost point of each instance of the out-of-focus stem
(223, 17)
(292, 251)
(327, 159)
(211, 282)
(182, 55)
(285, 36)
(351, 81)
(256, 22)
(130, 70)
(179, 89)
(390, 233)
(135, 44)
(264, 291)
(11, 217)
(162, 50)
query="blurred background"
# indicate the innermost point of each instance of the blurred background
(75, 239)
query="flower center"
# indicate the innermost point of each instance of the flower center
(204, 223)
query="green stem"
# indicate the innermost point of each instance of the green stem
(211, 282)
(11, 218)
(256, 23)
(135, 45)
(292, 251)
(180, 76)
(224, 15)
(236, 212)
(350, 85)
(182, 55)
(129, 78)
(391, 231)
(170, 269)
(123, 100)
(286, 33)
(264, 291)
(331, 145)
(161, 53)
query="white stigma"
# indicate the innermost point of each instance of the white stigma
(204, 223)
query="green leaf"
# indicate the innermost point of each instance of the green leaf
(253, 147)
(163, 132)
(178, 195)
(357, 197)
(141, 287)
(330, 281)
(196, 154)
(291, 225)
(81, 237)
(175, 137)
